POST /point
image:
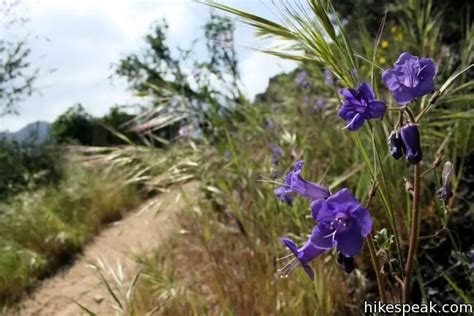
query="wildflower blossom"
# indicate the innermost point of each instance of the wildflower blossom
(411, 77)
(320, 104)
(445, 193)
(302, 256)
(185, 131)
(411, 143)
(306, 100)
(301, 79)
(360, 105)
(342, 223)
(328, 78)
(269, 126)
(277, 152)
(294, 183)
(396, 145)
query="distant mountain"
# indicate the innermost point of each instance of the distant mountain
(33, 134)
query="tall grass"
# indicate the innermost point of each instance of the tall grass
(42, 230)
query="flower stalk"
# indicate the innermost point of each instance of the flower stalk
(373, 254)
(414, 231)
(378, 271)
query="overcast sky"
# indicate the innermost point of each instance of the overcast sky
(80, 40)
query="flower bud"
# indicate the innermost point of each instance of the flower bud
(448, 171)
(396, 145)
(347, 263)
(445, 192)
(411, 143)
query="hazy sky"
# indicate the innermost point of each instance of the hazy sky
(80, 40)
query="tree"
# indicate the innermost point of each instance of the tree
(17, 75)
(73, 126)
(178, 96)
(76, 126)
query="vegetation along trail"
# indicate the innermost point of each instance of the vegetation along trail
(139, 232)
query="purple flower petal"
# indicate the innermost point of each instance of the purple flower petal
(377, 109)
(403, 58)
(396, 145)
(347, 111)
(411, 143)
(404, 95)
(295, 183)
(323, 237)
(364, 220)
(307, 189)
(350, 242)
(348, 93)
(344, 198)
(365, 92)
(309, 271)
(290, 244)
(356, 122)
(305, 254)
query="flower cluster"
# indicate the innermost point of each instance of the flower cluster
(410, 78)
(341, 223)
(340, 220)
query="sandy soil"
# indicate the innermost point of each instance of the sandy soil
(139, 232)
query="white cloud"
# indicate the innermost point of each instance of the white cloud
(86, 37)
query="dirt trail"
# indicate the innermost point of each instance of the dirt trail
(139, 232)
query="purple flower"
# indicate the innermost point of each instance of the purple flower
(396, 145)
(294, 183)
(300, 79)
(185, 131)
(411, 77)
(342, 223)
(411, 143)
(328, 78)
(320, 104)
(305, 100)
(277, 152)
(303, 257)
(269, 126)
(360, 105)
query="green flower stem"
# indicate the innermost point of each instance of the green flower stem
(373, 252)
(413, 237)
(378, 272)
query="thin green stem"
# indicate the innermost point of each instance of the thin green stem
(414, 232)
(410, 115)
(383, 192)
(373, 252)
(378, 272)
